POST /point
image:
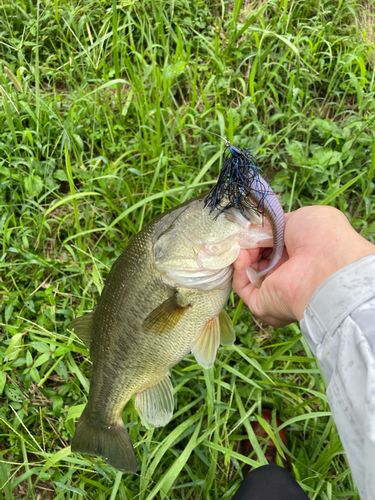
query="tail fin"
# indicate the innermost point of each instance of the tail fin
(112, 442)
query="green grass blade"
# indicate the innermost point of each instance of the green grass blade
(166, 482)
(341, 190)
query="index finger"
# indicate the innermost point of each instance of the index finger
(241, 283)
(246, 258)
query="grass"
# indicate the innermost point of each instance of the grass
(108, 116)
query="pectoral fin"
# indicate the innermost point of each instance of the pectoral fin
(166, 317)
(204, 347)
(156, 403)
(227, 335)
(83, 327)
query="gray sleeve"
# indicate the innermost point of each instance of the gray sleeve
(339, 327)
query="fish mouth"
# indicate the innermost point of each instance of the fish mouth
(201, 279)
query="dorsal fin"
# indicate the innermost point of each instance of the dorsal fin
(83, 327)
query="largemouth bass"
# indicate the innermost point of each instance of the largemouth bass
(162, 300)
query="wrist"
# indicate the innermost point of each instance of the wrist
(323, 266)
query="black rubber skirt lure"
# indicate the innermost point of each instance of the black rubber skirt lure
(241, 186)
(238, 178)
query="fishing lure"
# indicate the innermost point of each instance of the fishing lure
(239, 178)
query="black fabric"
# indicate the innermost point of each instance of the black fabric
(270, 482)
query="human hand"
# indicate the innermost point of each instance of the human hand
(319, 241)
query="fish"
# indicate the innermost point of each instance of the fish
(163, 299)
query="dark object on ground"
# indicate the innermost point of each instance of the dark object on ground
(270, 482)
(271, 450)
